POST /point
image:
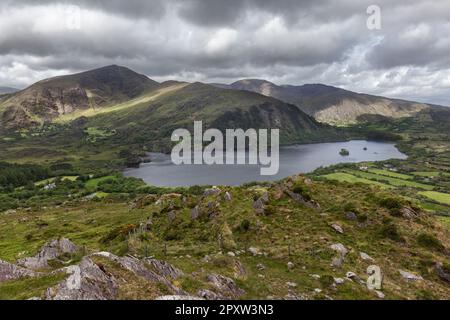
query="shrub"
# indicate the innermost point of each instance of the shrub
(302, 190)
(429, 241)
(390, 231)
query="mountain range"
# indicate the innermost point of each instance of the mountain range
(118, 98)
(329, 104)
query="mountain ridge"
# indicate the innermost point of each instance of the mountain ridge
(330, 104)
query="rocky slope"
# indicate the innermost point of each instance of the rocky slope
(330, 104)
(50, 98)
(284, 240)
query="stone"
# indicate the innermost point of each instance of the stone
(375, 279)
(340, 248)
(178, 297)
(87, 281)
(211, 192)
(254, 251)
(351, 216)
(442, 274)
(290, 265)
(9, 271)
(338, 281)
(379, 294)
(259, 206)
(50, 251)
(227, 196)
(317, 290)
(337, 228)
(350, 275)
(408, 213)
(366, 257)
(337, 262)
(408, 276)
(195, 213)
(164, 268)
(171, 215)
(260, 267)
(231, 254)
(315, 276)
(291, 284)
(226, 286)
(209, 295)
(265, 197)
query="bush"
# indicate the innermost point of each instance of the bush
(392, 204)
(301, 190)
(390, 231)
(429, 241)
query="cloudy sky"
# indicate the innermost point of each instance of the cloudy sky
(284, 41)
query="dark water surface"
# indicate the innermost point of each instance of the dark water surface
(293, 160)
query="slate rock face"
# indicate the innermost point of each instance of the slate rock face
(50, 251)
(9, 271)
(87, 281)
(226, 286)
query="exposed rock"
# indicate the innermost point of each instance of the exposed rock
(375, 280)
(195, 213)
(338, 280)
(254, 251)
(315, 276)
(227, 196)
(231, 254)
(164, 268)
(351, 216)
(337, 228)
(350, 275)
(49, 251)
(290, 265)
(379, 294)
(442, 273)
(340, 248)
(265, 197)
(239, 271)
(87, 281)
(178, 297)
(366, 257)
(211, 192)
(259, 206)
(291, 284)
(260, 267)
(171, 216)
(408, 213)
(408, 276)
(209, 295)
(226, 286)
(337, 262)
(9, 271)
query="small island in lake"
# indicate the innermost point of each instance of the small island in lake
(344, 152)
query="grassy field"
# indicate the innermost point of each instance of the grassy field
(346, 177)
(437, 196)
(391, 174)
(391, 181)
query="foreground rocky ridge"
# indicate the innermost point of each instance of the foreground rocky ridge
(286, 240)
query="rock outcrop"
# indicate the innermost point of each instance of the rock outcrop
(50, 251)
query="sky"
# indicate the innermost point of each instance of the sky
(404, 52)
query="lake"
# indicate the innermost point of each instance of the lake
(293, 160)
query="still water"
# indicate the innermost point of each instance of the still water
(293, 160)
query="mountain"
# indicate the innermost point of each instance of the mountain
(155, 119)
(51, 98)
(330, 104)
(7, 90)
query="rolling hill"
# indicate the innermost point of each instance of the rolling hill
(330, 104)
(48, 99)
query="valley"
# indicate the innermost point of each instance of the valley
(305, 236)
